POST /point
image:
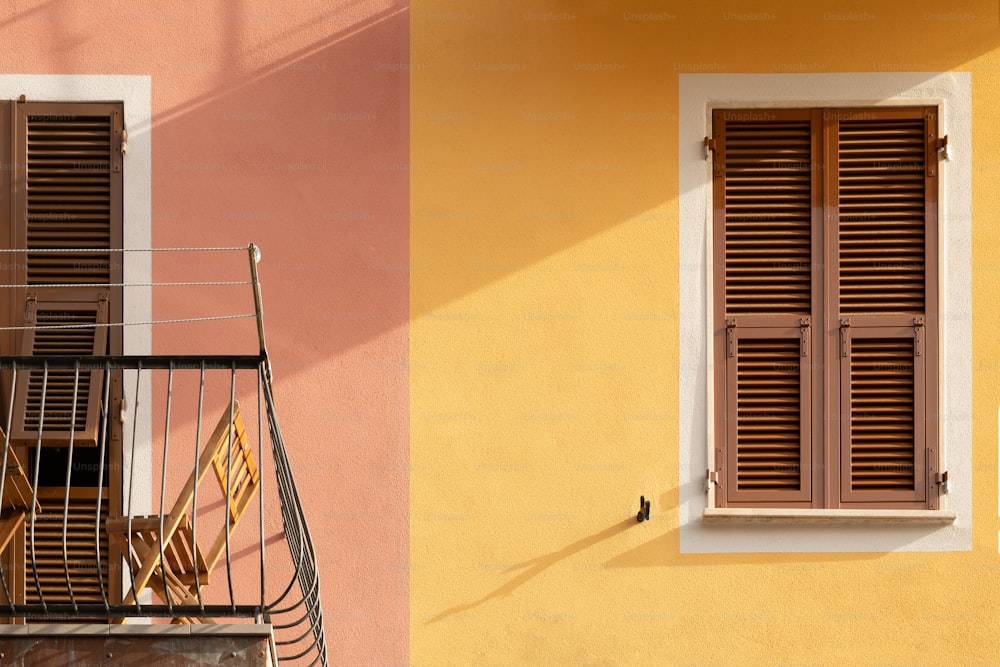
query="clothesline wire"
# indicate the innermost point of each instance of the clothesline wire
(92, 325)
(184, 284)
(34, 250)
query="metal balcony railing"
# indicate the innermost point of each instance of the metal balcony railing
(182, 507)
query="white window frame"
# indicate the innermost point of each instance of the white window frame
(698, 95)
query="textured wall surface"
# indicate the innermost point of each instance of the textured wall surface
(472, 268)
(284, 124)
(545, 349)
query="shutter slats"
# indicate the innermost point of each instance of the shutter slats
(882, 414)
(68, 183)
(82, 560)
(881, 203)
(59, 420)
(767, 216)
(768, 415)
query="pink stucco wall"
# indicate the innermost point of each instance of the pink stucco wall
(285, 124)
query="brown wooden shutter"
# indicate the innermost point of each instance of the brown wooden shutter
(825, 237)
(883, 196)
(63, 328)
(883, 437)
(80, 554)
(768, 417)
(65, 192)
(72, 193)
(67, 197)
(765, 189)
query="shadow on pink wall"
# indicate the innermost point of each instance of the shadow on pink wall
(307, 158)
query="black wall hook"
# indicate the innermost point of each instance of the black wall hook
(643, 514)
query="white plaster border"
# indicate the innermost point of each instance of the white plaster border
(698, 94)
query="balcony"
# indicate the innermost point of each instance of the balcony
(148, 504)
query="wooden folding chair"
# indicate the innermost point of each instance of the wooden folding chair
(185, 567)
(17, 495)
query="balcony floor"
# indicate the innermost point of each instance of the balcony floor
(136, 645)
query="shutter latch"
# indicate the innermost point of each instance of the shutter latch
(941, 146)
(804, 327)
(731, 336)
(845, 337)
(918, 336)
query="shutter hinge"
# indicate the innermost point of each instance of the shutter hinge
(845, 337)
(712, 147)
(918, 336)
(711, 477)
(804, 328)
(119, 151)
(934, 145)
(29, 308)
(941, 479)
(731, 336)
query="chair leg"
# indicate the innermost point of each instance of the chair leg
(9, 526)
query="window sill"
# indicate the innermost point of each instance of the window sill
(804, 516)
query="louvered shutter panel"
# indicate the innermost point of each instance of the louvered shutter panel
(765, 187)
(68, 204)
(71, 197)
(70, 328)
(65, 194)
(882, 457)
(884, 202)
(81, 541)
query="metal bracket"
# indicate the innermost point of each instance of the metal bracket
(731, 336)
(942, 480)
(941, 146)
(116, 155)
(845, 337)
(29, 308)
(643, 514)
(918, 336)
(711, 477)
(930, 152)
(805, 325)
(709, 147)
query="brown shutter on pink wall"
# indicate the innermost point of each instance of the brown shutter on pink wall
(61, 328)
(825, 330)
(63, 193)
(67, 214)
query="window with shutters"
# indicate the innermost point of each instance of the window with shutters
(825, 322)
(61, 213)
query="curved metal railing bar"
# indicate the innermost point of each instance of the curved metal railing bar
(294, 518)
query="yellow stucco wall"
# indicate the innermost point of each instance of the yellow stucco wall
(544, 351)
